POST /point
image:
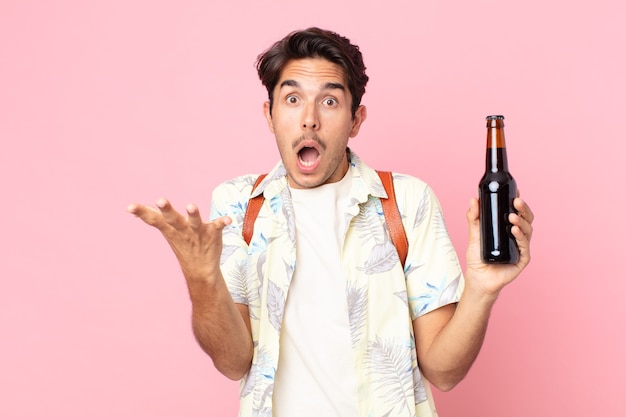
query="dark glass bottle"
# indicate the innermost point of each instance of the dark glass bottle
(497, 190)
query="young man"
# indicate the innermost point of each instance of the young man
(316, 315)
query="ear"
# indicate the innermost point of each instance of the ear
(359, 117)
(268, 116)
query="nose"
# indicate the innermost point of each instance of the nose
(310, 118)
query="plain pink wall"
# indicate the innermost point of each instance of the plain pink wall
(108, 102)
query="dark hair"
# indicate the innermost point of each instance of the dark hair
(314, 43)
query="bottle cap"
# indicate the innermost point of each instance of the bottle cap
(495, 117)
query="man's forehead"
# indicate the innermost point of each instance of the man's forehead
(310, 69)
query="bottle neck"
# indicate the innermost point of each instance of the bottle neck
(496, 159)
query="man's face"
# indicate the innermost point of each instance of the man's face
(312, 121)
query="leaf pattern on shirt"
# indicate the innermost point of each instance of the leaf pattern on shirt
(242, 181)
(243, 291)
(439, 225)
(259, 272)
(410, 267)
(288, 212)
(367, 222)
(357, 310)
(238, 285)
(422, 210)
(419, 390)
(382, 258)
(263, 412)
(375, 186)
(402, 296)
(267, 394)
(275, 203)
(260, 246)
(249, 381)
(390, 366)
(260, 370)
(436, 292)
(275, 305)
(227, 251)
(448, 295)
(279, 172)
(289, 269)
(236, 211)
(383, 255)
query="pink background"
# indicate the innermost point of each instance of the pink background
(108, 102)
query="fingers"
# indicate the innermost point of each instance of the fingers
(523, 218)
(473, 211)
(194, 219)
(163, 216)
(473, 219)
(196, 223)
(222, 222)
(149, 215)
(522, 228)
(523, 244)
(523, 210)
(171, 216)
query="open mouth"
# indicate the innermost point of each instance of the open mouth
(308, 156)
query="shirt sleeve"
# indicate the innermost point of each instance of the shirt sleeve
(433, 273)
(231, 199)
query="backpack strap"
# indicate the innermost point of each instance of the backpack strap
(390, 210)
(254, 206)
(393, 218)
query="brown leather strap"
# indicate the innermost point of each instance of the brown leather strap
(393, 218)
(254, 206)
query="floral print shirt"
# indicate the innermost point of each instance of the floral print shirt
(383, 299)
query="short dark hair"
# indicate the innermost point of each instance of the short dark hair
(314, 43)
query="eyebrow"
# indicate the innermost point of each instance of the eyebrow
(326, 86)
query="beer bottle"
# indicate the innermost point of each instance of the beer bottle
(497, 190)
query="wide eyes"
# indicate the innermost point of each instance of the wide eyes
(327, 102)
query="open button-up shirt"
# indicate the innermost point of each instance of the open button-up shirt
(383, 298)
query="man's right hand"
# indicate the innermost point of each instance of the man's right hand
(222, 328)
(197, 244)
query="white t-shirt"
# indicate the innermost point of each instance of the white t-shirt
(315, 375)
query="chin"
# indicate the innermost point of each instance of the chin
(302, 181)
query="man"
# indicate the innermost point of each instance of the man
(316, 315)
